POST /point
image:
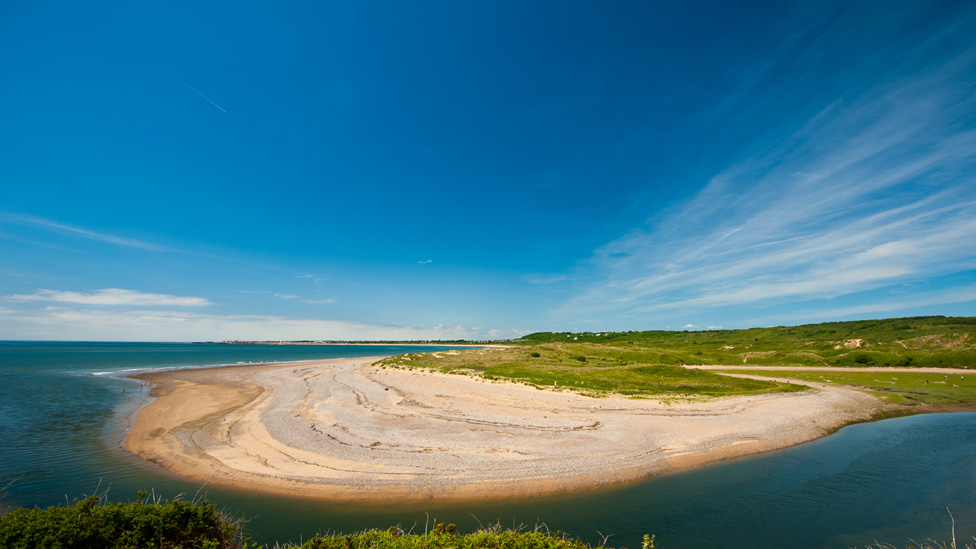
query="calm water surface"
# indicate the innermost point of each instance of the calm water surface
(65, 407)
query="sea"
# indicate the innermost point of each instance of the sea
(65, 408)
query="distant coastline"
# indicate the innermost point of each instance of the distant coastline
(473, 344)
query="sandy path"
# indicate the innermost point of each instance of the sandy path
(883, 369)
(345, 430)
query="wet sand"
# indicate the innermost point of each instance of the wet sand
(346, 430)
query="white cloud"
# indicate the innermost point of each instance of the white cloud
(286, 296)
(59, 323)
(65, 229)
(77, 231)
(870, 193)
(425, 262)
(320, 300)
(111, 296)
(952, 296)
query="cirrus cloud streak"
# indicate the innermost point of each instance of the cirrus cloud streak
(111, 296)
(872, 192)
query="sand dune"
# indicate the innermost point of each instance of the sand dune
(346, 430)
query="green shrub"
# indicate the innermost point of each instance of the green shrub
(444, 536)
(92, 523)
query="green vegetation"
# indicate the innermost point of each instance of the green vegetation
(905, 387)
(636, 364)
(445, 536)
(592, 369)
(94, 523)
(648, 364)
(933, 341)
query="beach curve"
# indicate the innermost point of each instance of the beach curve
(346, 430)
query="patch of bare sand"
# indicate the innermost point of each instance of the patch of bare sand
(886, 369)
(344, 430)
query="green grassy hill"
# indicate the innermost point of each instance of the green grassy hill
(934, 341)
(589, 368)
(650, 364)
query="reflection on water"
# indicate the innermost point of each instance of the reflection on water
(61, 429)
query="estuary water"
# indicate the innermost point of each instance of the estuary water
(65, 408)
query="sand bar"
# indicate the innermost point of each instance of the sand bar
(347, 430)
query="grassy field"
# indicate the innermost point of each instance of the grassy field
(649, 364)
(938, 342)
(593, 369)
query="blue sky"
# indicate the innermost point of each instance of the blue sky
(183, 171)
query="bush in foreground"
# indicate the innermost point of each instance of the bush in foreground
(94, 523)
(444, 536)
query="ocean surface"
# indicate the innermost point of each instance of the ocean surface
(65, 408)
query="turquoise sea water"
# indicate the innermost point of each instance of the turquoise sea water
(65, 407)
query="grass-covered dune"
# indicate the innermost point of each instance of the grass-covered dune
(593, 369)
(652, 364)
(933, 341)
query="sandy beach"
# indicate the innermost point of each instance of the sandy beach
(347, 430)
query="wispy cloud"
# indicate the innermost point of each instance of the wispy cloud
(288, 296)
(962, 294)
(425, 262)
(869, 193)
(78, 231)
(545, 279)
(66, 229)
(111, 296)
(194, 90)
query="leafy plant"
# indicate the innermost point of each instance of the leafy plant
(94, 523)
(445, 536)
